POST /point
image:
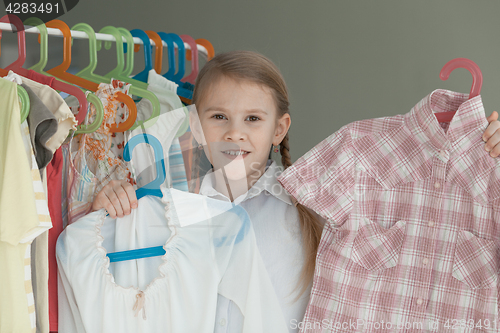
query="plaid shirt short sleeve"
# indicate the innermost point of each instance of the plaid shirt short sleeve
(325, 171)
(413, 239)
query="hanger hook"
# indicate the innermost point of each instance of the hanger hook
(471, 66)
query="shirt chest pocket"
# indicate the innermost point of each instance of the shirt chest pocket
(376, 248)
(476, 261)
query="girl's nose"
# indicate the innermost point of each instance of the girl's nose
(235, 133)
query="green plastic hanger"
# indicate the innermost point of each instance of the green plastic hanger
(99, 108)
(88, 74)
(129, 68)
(98, 119)
(122, 70)
(134, 90)
(44, 41)
(25, 102)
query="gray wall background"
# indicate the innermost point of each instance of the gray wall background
(343, 60)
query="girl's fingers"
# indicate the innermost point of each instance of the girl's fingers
(493, 144)
(100, 201)
(129, 189)
(493, 116)
(123, 198)
(114, 207)
(117, 197)
(490, 130)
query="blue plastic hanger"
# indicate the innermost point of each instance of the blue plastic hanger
(171, 55)
(152, 188)
(181, 70)
(169, 39)
(185, 89)
(143, 76)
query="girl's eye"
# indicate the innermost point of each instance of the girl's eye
(253, 118)
(218, 116)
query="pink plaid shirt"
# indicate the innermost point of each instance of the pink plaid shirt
(412, 241)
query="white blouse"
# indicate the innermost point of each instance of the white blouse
(276, 224)
(210, 250)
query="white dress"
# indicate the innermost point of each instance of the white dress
(279, 239)
(210, 250)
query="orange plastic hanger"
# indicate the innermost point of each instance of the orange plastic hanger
(88, 73)
(132, 113)
(158, 49)
(205, 43)
(60, 72)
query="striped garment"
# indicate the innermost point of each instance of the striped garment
(176, 166)
(43, 219)
(412, 241)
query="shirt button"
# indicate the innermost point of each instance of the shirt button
(437, 185)
(442, 153)
(431, 223)
(425, 261)
(420, 301)
(222, 322)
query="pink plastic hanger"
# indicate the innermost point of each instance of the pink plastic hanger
(477, 81)
(21, 44)
(191, 78)
(16, 66)
(207, 45)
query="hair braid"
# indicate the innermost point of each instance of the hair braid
(286, 159)
(310, 226)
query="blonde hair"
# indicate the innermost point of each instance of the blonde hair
(254, 67)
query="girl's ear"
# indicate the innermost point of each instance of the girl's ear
(195, 126)
(282, 128)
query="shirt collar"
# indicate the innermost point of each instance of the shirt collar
(267, 182)
(469, 116)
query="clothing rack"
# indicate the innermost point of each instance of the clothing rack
(82, 35)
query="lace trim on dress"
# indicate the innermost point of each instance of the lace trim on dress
(167, 258)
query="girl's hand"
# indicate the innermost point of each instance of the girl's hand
(492, 135)
(117, 197)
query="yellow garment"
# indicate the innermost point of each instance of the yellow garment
(41, 276)
(18, 214)
(36, 266)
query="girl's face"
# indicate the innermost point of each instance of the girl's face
(240, 123)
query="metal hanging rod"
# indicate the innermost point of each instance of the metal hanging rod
(82, 35)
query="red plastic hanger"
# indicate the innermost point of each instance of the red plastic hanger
(191, 78)
(477, 81)
(16, 66)
(4, 72)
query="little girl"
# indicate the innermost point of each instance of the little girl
(242, 117)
